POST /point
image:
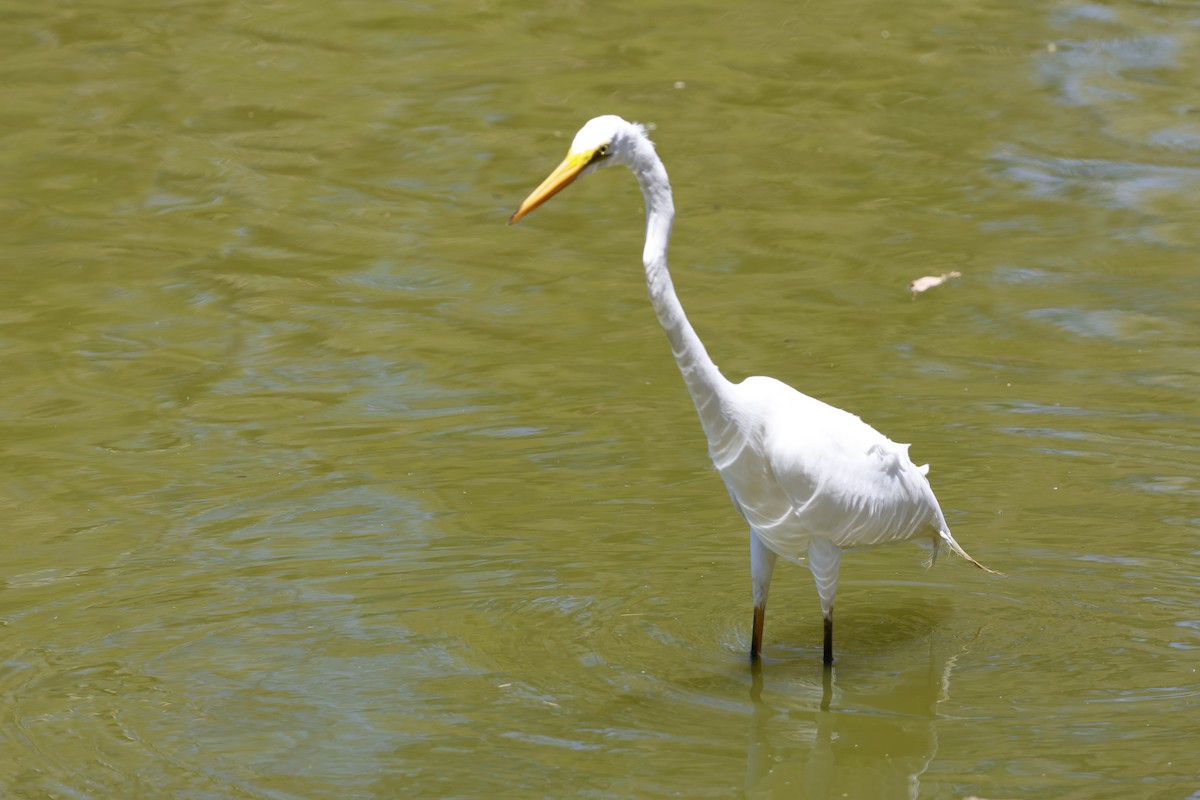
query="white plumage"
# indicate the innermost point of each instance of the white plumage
(809, 478)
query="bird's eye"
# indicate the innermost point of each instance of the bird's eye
(602, 151)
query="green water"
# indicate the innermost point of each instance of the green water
(319, 481)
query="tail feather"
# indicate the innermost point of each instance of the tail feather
(954, 546)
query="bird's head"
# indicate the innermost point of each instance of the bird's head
(601, 142)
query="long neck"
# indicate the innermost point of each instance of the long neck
(704, 381)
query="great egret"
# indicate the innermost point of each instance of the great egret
(810, 479)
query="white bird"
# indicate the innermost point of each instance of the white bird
(809, 478)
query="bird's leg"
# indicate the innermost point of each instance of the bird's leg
(760, 614)
(762, 564)
(824, 558)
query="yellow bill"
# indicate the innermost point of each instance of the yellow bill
(558, 180)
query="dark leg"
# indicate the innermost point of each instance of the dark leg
(760, 613)
(828, 659)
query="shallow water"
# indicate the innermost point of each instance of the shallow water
(320, 481)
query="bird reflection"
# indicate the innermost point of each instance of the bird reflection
(873, 733)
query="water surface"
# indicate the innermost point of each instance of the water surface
(321, 482)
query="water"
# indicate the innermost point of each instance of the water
(320, 481)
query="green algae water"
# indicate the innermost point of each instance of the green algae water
(319, 481)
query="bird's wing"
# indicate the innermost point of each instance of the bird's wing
(846, 481)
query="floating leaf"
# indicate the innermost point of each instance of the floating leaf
(930, 281)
